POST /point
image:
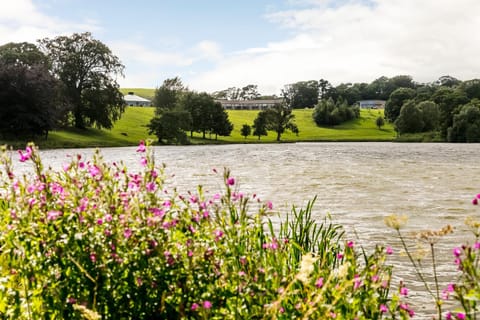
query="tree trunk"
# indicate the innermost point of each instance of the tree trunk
(278, 136)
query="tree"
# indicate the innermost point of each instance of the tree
(170, 126)
(246, 130)
(447, 81)
(466, 123)
(380, 122)
(86, 68)
(410, 119)
(29, 101)
(23, 53)
(395, 102)
(448, 100)
(303, 94)
(220, 125)
(249, 92)
(430, 115)
(168, 94)
(260, 125)
(279, 118)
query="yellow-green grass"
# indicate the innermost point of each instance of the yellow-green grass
(129, 130)
(362, 129)
(146, 93)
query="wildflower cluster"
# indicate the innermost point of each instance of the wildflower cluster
(95, 240)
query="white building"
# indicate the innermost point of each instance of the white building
(131, 99)
(249, 104)
(372, 104)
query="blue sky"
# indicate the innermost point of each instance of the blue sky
(213, 45)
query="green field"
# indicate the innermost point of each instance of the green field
(132, 127)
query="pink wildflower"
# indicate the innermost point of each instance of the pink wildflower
(339, 255)
(25, 156)
(194, 306)
(230, 181)
(404, 291)
(389, 250)
(94, 171)
(457, 252)
(269, 205)
(143, 161)
(461, 316)
(141, 146)
(350, 244)
(383, 308)
(127, 233)
(53, 215)
(319, 283)
(207, 304)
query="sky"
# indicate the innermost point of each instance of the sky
(217, 44)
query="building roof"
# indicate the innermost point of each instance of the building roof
(133, 97)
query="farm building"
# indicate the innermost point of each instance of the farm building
(131, 99)
(249, 104)
(372, 104)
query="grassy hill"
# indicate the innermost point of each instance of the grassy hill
(141, 92)
(131, 128)
(362, 129)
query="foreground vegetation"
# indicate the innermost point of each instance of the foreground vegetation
(93, 240)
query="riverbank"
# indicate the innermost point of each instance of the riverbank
(132, 127)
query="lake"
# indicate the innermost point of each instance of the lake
(357, 183)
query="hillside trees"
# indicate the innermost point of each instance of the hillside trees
(87, 67)
(177, 109)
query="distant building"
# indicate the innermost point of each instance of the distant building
(249, 104)
(131, 99)
(372, 104)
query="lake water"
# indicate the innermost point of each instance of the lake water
(357, 183)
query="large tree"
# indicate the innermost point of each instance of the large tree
(170, 126)
(303, 94)
(87, 69)
(396, 101)
(410, 119)
(168, 95)
(29, 101)
(279, 118)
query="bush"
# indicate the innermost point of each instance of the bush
(97, 241)
(328, 112)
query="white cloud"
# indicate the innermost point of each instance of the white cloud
(21, 20)
(359, 41)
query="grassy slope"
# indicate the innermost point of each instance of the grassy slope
(133, 124)
(142, 92)
(131, 128)
(362, 129)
